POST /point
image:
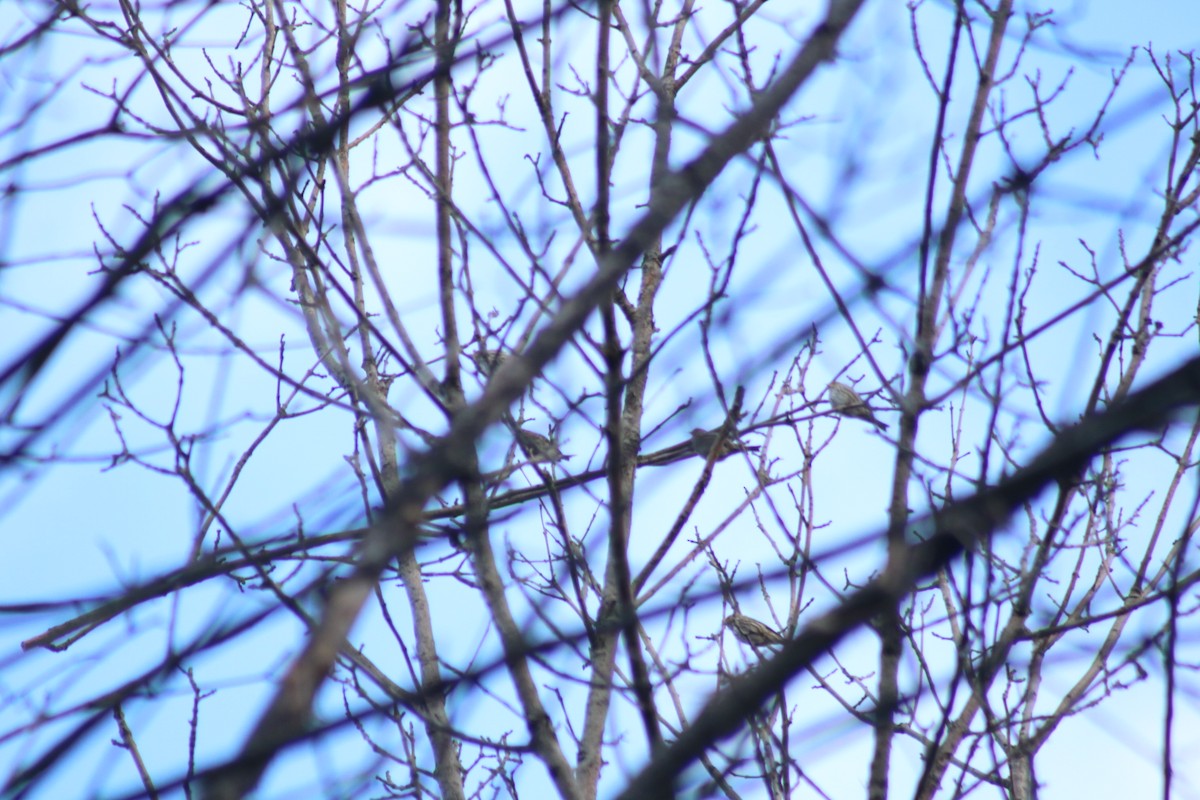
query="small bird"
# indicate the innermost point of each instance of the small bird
(703, 441)
(488, 361)
(752, 632)
(846, 402)
(538, 447)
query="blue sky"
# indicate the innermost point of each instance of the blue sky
(85, 527)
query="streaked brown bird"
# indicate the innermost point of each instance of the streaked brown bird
(703, 441)
(538, 447)
(846, 402)
(752, 632)
(488, 361)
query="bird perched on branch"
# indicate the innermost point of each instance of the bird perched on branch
(488, 361)
(703, 441)
(538, 447)
(846, 402)
(752, 632)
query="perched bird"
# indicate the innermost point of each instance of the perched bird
(752, 632)
(538, 447)
(488, 361)
(846, 402)
(703, 441)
